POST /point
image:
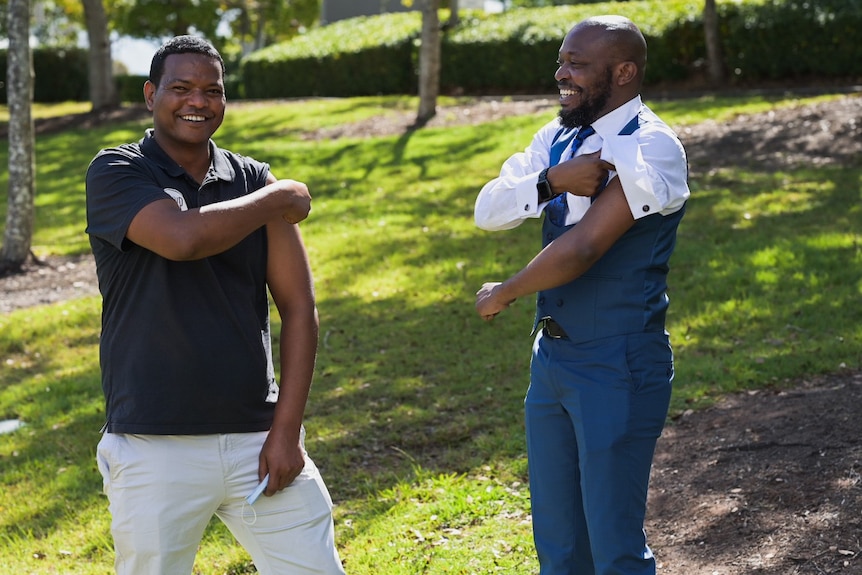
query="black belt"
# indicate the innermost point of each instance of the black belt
(552, 329)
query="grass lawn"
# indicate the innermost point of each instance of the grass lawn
(415, 417)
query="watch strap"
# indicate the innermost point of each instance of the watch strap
(543, 187)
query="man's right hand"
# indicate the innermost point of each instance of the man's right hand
(583, 175)
(488, 303)
(297, 200)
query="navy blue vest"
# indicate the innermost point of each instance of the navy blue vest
(624, 292)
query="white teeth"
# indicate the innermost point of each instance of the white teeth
(565, 93)
(193, 118)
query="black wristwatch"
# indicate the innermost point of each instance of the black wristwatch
(544, 187)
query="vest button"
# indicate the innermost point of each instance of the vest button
(550, 237)
(541, 301)
(560, 303)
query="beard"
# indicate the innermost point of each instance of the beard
(589, 111)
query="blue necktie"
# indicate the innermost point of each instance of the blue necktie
(557, 207)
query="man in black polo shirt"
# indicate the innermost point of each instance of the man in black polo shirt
(188, 238)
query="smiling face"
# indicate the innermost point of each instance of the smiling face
(582, 104)
(188, 104)
(600, 69)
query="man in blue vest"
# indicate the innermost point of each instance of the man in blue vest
(611, 179)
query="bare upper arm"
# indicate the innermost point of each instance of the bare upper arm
(158, 228)
(175, 234)
(288, 273)
(608, 218)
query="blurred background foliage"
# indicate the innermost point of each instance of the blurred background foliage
(278, 49)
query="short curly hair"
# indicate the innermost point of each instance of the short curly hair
(181, 45)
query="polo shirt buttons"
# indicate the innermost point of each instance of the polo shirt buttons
(645, 208)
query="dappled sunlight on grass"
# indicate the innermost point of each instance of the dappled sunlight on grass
(442, 514)
(50, 381)
(415, 415)
(681, 112)
(40, 110)
(763, 307)
(290, 118)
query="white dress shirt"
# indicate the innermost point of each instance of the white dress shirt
(651, 165)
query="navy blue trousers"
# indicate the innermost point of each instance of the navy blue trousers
(594, 412)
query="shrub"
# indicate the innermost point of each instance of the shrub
(356, 57)
(130, 88)
(60, 75)
(792, 39)
(514, 52)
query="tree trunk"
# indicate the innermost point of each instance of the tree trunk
(429, 62)
(247, 42)
(715, 65)
(260, 36)
(22, 158)
(453, 14)
(103, 91)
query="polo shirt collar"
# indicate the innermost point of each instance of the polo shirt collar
(220, 167)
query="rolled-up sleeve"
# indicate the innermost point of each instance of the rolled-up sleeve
(652, 169)
(117, 188)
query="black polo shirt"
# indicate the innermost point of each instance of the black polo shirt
(185, 346)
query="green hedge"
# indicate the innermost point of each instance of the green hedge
(515, 51)
(511, 52)
(130, 88)
(60, 75)
(356, 57)
(792, 39)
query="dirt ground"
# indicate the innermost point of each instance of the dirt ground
(767, 482)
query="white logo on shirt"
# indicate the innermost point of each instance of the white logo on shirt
(178, 198)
